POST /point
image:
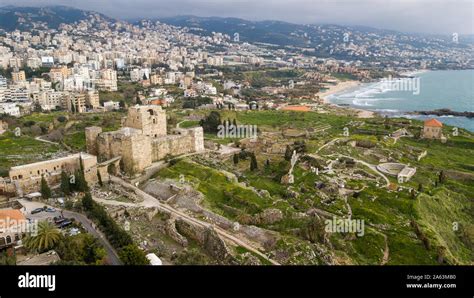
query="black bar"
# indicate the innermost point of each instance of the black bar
(220, 281)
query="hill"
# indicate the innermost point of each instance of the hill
(27, 18)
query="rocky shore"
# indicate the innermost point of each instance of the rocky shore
(444, 112)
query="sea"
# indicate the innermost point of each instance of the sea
(417, 91)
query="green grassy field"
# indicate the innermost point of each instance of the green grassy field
(16, 151)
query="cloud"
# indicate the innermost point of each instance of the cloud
(430, 16)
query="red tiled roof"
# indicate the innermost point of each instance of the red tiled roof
(433, 123)
(297, 108)
(10, 216)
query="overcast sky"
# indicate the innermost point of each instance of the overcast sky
(429, 16)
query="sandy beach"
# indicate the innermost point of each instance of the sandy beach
(340, 87)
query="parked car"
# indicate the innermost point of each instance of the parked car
(58, 219)
(37, 210)
(50, 209)
(65, 223)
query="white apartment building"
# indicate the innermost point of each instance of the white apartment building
(111, 105)
(49, 99)
(4, 91)
(215, 61)
(107, 81)
(138, 74)
(10, 108)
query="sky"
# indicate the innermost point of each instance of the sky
(424, 16)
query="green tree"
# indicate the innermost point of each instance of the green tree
(45, 190)
(46, 238)
(420, 187)
(236, 159)
(132, 255)
(92, 251)
(211, 122)
(80, 249)
(6, 259)
(442, 177)
(288, 153)
(87, 202)
(80, 183)
(65, 184)
(253, 162)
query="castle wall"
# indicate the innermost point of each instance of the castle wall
(171, 145)
(109, 145)
(27, 178)
(137, 154)
(189, 141)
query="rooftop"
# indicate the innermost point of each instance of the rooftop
(433, 123)
(297, 108)
(11, 216)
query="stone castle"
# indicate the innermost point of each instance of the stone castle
(142, 140)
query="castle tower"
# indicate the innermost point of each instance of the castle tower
(197, 134)
(91, 139)
(151, 120)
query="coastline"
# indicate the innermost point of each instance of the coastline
(341, 87)
(413, 73)
(328, 98)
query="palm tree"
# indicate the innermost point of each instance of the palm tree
(46, 238)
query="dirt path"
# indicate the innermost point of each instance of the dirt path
(46, 141)
(386, 252)
(327, 144)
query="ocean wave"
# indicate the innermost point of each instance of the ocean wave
(387, 110)
(362, 103)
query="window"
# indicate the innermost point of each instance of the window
(9, 239)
